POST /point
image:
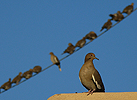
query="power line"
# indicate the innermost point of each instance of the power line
(69, 54)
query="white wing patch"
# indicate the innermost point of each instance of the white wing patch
(79, 79)
(98, 86)
(55, 60)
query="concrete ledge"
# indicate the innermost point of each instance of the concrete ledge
(96, 96)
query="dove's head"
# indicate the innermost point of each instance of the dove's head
(90, 56)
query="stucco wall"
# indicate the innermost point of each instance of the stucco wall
(96, 96)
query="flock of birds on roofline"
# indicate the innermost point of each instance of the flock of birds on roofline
(88, 75)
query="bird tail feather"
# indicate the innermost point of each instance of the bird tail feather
(59, 67)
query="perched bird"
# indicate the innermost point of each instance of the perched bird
(117, 16)
(91, 35)
(6, 85)
(55, 60)
(107, 25)
(120, 16)
(37, 69)
(28, 74)
(70, 49)
(81, 42)
(128, 9)
(17, 78)
(89, 76)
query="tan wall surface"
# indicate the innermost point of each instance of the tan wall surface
(96, 96)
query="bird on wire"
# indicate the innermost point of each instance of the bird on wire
(37, 69)
(129, 9)
(55, 60)
(17, 79)
(117, 16)
(81, 42)
(91, 35)
(107, 25)
(6, 85)
(70, 49)
(27, 74)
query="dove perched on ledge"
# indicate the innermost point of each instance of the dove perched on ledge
(55, 60)
(90, 77)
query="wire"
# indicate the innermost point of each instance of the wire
(70, 54)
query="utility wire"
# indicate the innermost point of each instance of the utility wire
(70, 54)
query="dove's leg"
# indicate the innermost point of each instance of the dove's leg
(90, 92)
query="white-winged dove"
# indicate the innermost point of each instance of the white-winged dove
(17, 79)
(128, 9)
(28, 74)
(70, 49)
(81, 42)
(117, 16)
(37, 69)
(6, 85)
(55, 60)
(107, 25)
(91, 35)
(89, 76)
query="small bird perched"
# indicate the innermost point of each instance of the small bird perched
(117, 16)
(128, 9)
(81, 42)
(107, 25)
(6, 85)
(17, 78)
(55, 60)
(28, 74)
(120, 16)
(91, 35)
(37, 69)
(89, 76)
(70, 49)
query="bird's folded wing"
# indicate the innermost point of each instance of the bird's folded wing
(97, 80)
(56, 60)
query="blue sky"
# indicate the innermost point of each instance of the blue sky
(30, 30)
